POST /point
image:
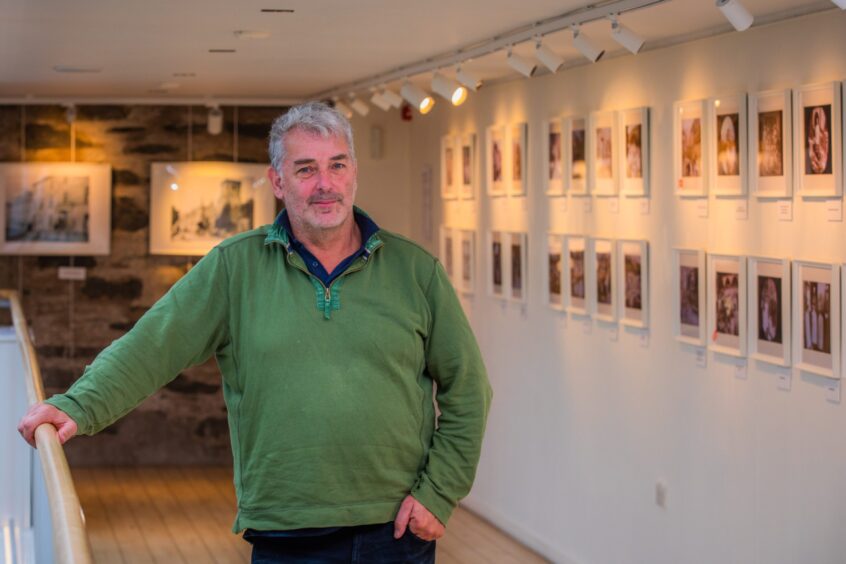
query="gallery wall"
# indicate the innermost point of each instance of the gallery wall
(589, 419)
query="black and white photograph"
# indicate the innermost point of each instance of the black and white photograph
(497, 266)
(577, 273)
(770, 143)
(634, 143)
(691, 150)
(603, 279)
(604, 156)
(818, 138)
(576, 157)
(728, 144)
(634, 151)
(449, 186)
(689, 296)
(467, 166)
(818, 143)
(447, 252)
(769, 309)
(555, 158)
(603, 161)
(691, 139)
(518, 266)
(496, 161)
(519, 166)
(555, 265)
(727, 304)
(576, 282)
(769, 312)
(633, 268)
(727, 310)
(816, 314)
(467, 278)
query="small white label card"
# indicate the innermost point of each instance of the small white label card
(741, 209)
(832, 391)
(740, 371)
(834, 209)
(784, 210)
(702, 208)
(784, 378)
(701, 358)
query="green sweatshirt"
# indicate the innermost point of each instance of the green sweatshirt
(328, 390)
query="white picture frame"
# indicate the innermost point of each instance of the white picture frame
(769, 310)
(603, 159)
(576, 279)
(816, 341)
(518, 258)
(690, 319)
(635, 152)
(555, 287)
(727, 322)
(55, 208)
(575, 155)
(498, 271)
(467, 261)
(468, 161)
(771, 144)
(603, 285)
(495, 173)
(554, 161)
(449, 167)
(446, 252)
(518, 163)
(690, 154)
(818, 151)
(633, 282)
(727, 145)
(224, 191)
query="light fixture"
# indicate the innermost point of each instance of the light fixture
(345, 110)
(586, 46)
(625, 37)
(417, 98)
(449, 89)
(378, 100)
(468, 79)
(70, 113)
(392, 97)
(174, 186)
(551, 60)
(214, 125)
(521, 65)
(359, 106)
(735, 13)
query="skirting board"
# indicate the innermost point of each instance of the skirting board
(520, 533)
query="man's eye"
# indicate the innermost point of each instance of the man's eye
(338, 166)
(306, 170)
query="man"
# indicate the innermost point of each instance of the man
(329, 333)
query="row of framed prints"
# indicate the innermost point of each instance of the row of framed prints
(776, 311)
(65, 208)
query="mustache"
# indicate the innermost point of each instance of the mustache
(321, 198)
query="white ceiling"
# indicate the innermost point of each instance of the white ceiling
(321, 45)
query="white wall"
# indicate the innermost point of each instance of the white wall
(583, 424)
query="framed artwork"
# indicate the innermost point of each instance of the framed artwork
(449, 178)
(689, 296)
(818, 151)
(496, 271)
(518, 252)
(727, 304)
(554, 158)
(689, 154)
(496, 161)
(468, 166)
(633, 281)
(555, 271)
(467, 280)
(769, 312)
(816, 314)
(575, 163)
(575, 281)
(771, 143)
(196, 205)
(518, 164)
(634, 155)
(727, 144)
(604, 286)
(447, 252)
(603, 160)
(55, 208)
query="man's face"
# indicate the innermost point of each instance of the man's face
(317, 182)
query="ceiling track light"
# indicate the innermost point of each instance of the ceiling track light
(449, 89)
(345, 110)
(735, 13)
(469, 79)
(392, 97)
(378, 100)
(521, 65)
(214, 122)
(625, 37)
(417, 98)
(583, 43)
(550, 59)
(359, 106)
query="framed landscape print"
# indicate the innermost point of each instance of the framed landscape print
(447, 252)
(771, 144)
(727, 144)
(633, 281)
(689, 143)
(816, 314)
(575, 163)
(604, 286)
(769, 310)
(818, 154)
(496, 260)
(196, 205)
(554, 158)
(449, 179)
(555, 271)
(689, 296)
(467, 279)
(55, 208)
(727, 304)
(496, 161)
(518, 250)
(634, 157)
(468, 160)
(518, 163)
(575, 282)
(603, 161)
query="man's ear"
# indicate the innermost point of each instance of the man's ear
(275, 181)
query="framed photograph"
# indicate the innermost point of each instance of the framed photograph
(727, 145)
(518, 164)
(816, 314)
(497, 268)
(633, 281)
(575, 163)
(689, 296)
(575, 282)
(554, 158)
(55, 208)
(555, 271)
(689, 154)
(467, 280)
(603, 161)
(468, 166)
(496, 161)
(449, 178)
(518, 254)
(771, 143)
(196, 205)
(769, 311)
(818, 152)
(604, 286)
(447, 252)
(727, 304)
(634, 156)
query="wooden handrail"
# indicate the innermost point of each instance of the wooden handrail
(70, 541)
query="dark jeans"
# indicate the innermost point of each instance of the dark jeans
(370, 544)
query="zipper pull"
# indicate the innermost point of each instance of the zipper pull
(327, 294)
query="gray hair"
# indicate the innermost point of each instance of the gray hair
(314, 117)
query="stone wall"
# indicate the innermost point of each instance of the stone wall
(185, 422)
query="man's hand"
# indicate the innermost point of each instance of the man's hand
(418, 519)
(41, 413)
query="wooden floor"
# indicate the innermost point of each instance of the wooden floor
(185, 515)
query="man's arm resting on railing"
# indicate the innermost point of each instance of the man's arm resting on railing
(41, 413)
